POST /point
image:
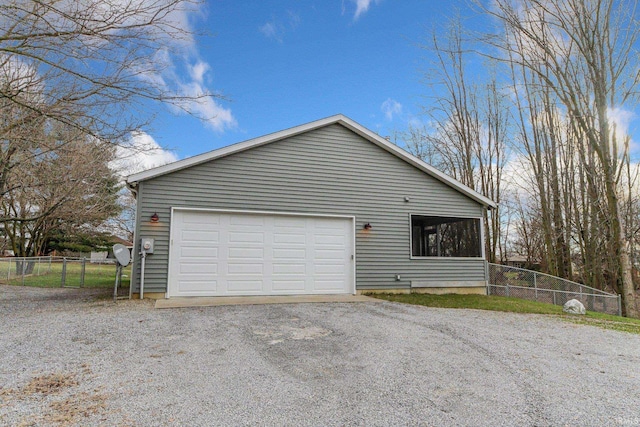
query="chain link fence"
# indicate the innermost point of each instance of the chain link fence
(57, 272)
(527, 284)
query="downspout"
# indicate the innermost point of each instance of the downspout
(143, 256)
(134, 191)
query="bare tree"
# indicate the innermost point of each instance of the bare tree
(87, 55)
(584, 53)
(468, 139)
(77, 78)
(70, 185)
(93, 65)
(542, 141)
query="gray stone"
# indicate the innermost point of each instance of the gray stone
(573, 306)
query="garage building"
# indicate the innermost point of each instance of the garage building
(328, 207)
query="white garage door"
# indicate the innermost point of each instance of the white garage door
(220, 254)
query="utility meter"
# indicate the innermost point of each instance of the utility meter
(146, 245)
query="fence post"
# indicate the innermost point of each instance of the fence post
(38, 271)
(9, 269)
(507, 288)
(24, 267)
(82, 269)
(535, 284)
(64, 271)
(554, 297)
(619, 305)
(50, 258)
(487, 276)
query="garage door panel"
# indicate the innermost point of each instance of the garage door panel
(246, 253)
(259, 254)
(288, 285)
(329, 268)
(201, 258)
(200, 219)
(198, 283)
(289, 254)
(246, 237)
(194, 268)
(245, 286)
(329, 254)
(289, 268)
(289, 238)
(245, 268)
(200, 236)
(203, 246)
(203, 252)
(330, 240)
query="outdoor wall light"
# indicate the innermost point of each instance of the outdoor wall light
(155, 217)
(367, 226)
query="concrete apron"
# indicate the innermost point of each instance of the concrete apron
(181, 302)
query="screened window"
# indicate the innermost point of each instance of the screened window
(445, 236)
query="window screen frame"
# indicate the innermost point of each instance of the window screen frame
(439, 257)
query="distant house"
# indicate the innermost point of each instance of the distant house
(520, 261)
(327, 207)
(106, 254)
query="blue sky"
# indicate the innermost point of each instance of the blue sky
(285, 63)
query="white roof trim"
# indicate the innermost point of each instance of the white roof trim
(132, 180)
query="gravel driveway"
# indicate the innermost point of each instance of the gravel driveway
(67, 358)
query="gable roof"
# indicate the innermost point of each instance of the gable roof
(132, 180)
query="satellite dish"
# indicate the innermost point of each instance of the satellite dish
(122, 254)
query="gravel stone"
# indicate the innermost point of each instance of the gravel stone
(331, 364)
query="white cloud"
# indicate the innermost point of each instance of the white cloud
(275, 28)
(139, 153)
(173, 71)
(206, 108)
(293, 19)
(622, 119)
(391, 107)
(362, 6)
(188, 77)
(177, 68)
(271, 30)
(198, 70)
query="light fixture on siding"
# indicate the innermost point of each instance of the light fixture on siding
(367, 226)
(155, 217)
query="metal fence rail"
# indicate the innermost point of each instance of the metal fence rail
(54, 271)
(531, 285)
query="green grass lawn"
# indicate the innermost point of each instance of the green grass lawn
(514, 305)
(50, 275)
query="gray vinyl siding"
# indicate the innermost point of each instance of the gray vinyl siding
(330, 170)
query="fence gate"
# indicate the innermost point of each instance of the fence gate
(531, 285)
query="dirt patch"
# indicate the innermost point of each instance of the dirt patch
(43, 384)
(81, 405)
(56, 400)
(50, 384)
